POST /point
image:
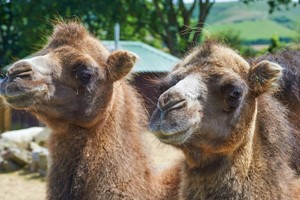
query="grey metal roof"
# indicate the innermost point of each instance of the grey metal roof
(150, 58)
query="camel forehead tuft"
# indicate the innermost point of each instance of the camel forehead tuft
(69, 30)
(211, 55)
(70, 37)
(70, 33)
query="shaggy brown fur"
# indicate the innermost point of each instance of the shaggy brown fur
(235, 136)
(77, 88)
(289, 93)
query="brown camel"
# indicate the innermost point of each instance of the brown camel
(289, 93)
(237, 140)
(78, 89)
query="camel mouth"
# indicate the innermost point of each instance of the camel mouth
(175, 127)
(21, 95)
(176, 138)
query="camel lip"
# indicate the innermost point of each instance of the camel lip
(176, 138)
(24, 97)
(20, 101)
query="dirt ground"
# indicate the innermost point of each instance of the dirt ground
(21, 185)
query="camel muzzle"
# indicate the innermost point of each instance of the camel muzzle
(21, 70)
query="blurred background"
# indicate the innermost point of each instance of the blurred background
(171, 25)
(164, 28)
(159, 31)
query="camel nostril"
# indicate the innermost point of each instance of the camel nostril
(22, 70)
(171, 105)
(171, 100)
(165, 100)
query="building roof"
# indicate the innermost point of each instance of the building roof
(150, 58)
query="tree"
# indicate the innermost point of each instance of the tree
(23, 23)
(173, 23)
(9, 33)
(276, 4)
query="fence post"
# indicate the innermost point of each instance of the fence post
(5, 117)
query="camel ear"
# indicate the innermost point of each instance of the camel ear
(264, 77)
(119, 64)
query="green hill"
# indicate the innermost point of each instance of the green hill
(256, 31)
(253, 21)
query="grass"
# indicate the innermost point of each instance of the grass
(254, 30)
(253, 20)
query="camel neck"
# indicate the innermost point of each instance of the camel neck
(92, 161)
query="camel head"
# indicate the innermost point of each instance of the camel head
(70, 80)
(209, 99)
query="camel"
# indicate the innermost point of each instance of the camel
(237, 140)
(289, 93)
(81, 92)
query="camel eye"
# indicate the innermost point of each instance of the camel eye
(83, 73)
(235, 94)
(232, 97)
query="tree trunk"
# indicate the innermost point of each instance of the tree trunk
(204, 8)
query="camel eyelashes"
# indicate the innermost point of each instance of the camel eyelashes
(77, 66)
(83, 74)
(231, 91)
(233, 96)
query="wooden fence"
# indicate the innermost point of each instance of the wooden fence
(5, 117)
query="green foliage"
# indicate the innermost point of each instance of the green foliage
(173, 23)
(23, 23)
(9, 31)
(165, 23)
(276, 5)
(233, 39)
(275, 44)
